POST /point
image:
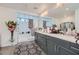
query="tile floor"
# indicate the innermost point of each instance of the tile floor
(23, 48)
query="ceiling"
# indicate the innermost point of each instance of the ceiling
(45, 9)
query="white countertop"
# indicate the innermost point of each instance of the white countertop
(60, 36)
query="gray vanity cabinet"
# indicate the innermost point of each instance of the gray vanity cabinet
(55, 46)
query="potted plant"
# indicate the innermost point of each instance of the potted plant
(11, 27)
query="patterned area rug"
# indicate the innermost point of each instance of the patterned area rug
(28, 48)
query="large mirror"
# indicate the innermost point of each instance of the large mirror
(46, 22)
(67, 25)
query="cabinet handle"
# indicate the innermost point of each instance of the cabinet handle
(74, 48)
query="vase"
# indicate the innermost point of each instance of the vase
(12, 40)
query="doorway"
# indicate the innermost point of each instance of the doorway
(24, 30)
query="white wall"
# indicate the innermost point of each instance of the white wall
(65, 19)
(68, 19)
(41, 19)
(5, 15)
(77, 20)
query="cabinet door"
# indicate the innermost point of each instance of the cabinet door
(42, 43)
(65, 51)
(51, 47)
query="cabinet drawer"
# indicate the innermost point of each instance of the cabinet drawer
(74, 47)
(65, 51)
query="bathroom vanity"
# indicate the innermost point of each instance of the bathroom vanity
(57, 44)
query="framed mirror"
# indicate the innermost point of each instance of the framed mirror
(67, 25)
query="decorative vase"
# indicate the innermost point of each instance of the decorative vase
(11, 27)
(12, 40)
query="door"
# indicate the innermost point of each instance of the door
(42, 43)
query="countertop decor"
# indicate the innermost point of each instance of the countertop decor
(11, 27)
